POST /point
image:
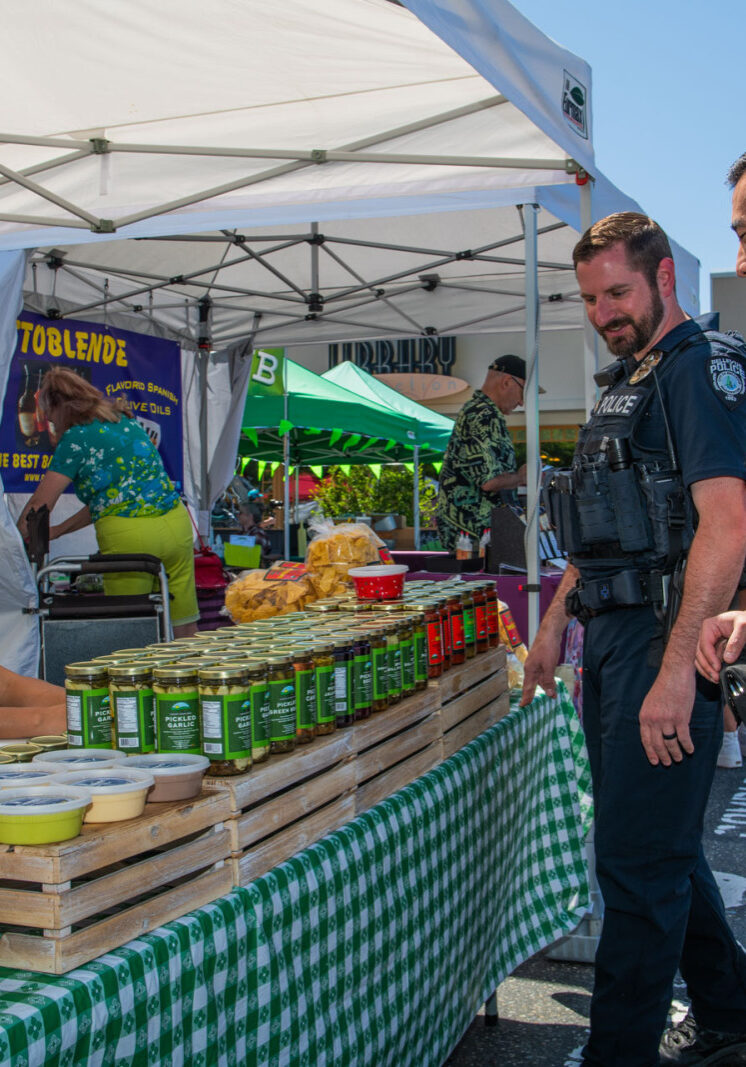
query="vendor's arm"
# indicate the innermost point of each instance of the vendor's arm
(48, 492)
(30, 707)
(713, 568)
(544, 652)
(70, 525)
(508, 480)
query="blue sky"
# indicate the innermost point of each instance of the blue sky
(669, 107)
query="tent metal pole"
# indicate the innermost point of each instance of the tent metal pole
(203, 432)
(416, 458)
(590, 337)
(286, 481)
(531, 402)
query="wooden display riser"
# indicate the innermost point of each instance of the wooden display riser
(291, 801)
(63, 905)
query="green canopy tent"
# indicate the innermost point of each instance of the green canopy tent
(318, 422)
(433, 431)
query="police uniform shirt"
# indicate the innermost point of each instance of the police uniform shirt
(480, 449)
(704, 396)
(703, 390)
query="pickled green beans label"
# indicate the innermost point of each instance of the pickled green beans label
(305, 699)
(407, 663)
(259, 697)
(282, 715)
(380, 674)
(420, 656)
(362, 681)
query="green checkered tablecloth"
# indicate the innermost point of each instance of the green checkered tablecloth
(376, 946)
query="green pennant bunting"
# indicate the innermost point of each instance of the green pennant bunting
(318, 471)
(261, 466)
(334, 437)
(437, 466)
(274, 467)
(390, 444)
(312, 431)
(284, 427)
(376, 469)
(409, 467)
(352, 440)
(368, 443)
(345, 468)
(252, 436)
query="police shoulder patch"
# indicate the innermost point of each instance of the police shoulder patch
(727, 376)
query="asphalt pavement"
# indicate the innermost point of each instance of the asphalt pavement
(543, 1006)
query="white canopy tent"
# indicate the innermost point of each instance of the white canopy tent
(233, 175)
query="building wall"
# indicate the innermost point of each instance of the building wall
(560, 371)
(728, 296)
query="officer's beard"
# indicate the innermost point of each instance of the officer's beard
(643, 329)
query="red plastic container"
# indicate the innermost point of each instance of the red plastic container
(379, 581)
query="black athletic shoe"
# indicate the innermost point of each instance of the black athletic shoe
(690, 1045)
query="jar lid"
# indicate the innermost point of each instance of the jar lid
(85, 670)
(130, 670)
(73, 757)
(177, 672)
(279, 660)
(221, 672)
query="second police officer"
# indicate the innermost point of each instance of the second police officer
(658, 481)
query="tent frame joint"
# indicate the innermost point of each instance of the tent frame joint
(100, 146)
(104, 226)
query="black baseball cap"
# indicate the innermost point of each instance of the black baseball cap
(513, 365)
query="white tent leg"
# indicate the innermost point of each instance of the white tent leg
(531, 403)
(590, 337)
(416, 457)
(286, 485)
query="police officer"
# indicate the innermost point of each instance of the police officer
(658, 477)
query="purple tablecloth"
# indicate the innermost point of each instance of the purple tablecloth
(510, 587)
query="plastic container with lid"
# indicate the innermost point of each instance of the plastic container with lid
(282, 713)
(225, 717)
(176, 775)
(384, 581)
(87, 703)
(132, 705)
(42, 814)
(176, 708)
(256, 678)
(15, 775)
(79, 759)
(117, 792)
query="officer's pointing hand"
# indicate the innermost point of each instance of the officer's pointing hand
(664, 719)
(721, 639)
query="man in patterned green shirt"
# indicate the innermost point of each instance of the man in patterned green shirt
(480, 465)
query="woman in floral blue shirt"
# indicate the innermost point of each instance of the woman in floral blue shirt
(118, 475)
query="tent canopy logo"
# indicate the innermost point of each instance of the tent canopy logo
(575, 104)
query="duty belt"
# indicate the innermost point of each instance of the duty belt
(624, 590)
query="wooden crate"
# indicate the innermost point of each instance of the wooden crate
(287, 803)
(396, 746)
(62, 905)
(473, 697)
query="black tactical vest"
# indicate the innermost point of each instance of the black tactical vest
(623, 503)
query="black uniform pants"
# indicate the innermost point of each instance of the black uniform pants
(662, 906)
